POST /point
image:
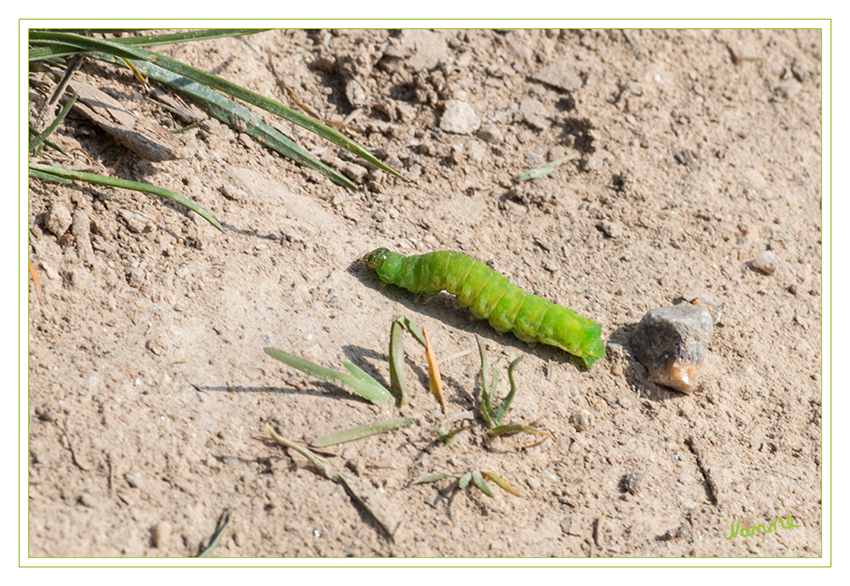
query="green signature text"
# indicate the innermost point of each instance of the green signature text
(738, 531)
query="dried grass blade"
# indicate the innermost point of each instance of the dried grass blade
(36, 282)
(317, 461)
(502, 483)
(436, 382)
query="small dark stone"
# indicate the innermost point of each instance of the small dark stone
(632, 482)
(685, 157)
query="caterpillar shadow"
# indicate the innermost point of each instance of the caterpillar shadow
(637, 376)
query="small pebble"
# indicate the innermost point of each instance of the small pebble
(766, 262)
(90, 501)
(490, 133)
(161, 534)
(135, 480)
(788, 90)
(632, 482)
(535, 113)
(611, 229)
(580, 420)
(58, 219)
(459, 118)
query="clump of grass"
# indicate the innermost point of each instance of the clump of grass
(206, 90)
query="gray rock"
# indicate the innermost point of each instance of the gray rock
(161, 534)
(459, 118)
(672, 343)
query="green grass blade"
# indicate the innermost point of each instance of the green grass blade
(40, 53)
(514, 428)
(429, 478)
(341, 479)
(411, 327)
(188, 36)
(47, 176)
(55, 171)
(464, 480)
(448, 438)
(500, 413)
(370, 391)
(222, 524)
(53, 145)
(478, 481)
(486, 409)
(545, 169)
(234, 115)
(350, 435)
(361, 375)
(398, 378)
(42, 136)
(242, 118)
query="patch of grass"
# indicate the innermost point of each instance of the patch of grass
(206, 90)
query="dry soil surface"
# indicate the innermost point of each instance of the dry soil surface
(694, 152)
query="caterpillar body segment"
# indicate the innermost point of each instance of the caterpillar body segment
(489, 295)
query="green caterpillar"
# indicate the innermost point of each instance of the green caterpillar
(489, 295)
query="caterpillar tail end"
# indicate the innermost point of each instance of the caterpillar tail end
(592, 352)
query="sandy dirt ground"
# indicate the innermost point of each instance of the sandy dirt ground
(695, 151)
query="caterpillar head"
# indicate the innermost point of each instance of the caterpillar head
(376, 258)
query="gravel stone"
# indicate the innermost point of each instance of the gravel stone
(534, 113)
(672, 342)
(490, 133)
